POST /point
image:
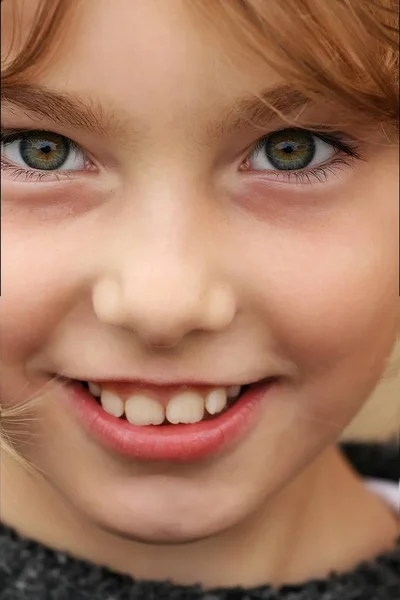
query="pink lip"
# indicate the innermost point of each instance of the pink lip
(168, 442)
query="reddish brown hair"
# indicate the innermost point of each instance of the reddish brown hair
(344, 50)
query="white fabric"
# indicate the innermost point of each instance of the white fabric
(387, 490)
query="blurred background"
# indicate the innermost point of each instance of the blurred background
(380, 417)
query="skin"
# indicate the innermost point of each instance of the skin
(261, 277)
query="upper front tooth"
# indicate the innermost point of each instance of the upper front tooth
(95, 389)
(216, 401)
(112, 403)
(186, 407)
(234, 391)
(141, 410)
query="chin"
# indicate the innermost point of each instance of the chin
(164, 535)
(161, 529)
(159, 513)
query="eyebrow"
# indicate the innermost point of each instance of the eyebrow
(89, 115)
(63, 109)
(262, 109)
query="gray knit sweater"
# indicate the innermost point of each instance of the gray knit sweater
(31, 571)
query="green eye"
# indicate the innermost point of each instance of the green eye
(289, 150)
(42, 151)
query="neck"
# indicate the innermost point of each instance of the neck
(314, 525)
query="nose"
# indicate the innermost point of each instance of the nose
(163, 293)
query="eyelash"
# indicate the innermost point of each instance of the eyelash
(346, 155)
(16, 172)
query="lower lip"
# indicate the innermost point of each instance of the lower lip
(169, 442)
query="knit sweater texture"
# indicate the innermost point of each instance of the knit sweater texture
(32, 571)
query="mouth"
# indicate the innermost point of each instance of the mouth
(171, 423)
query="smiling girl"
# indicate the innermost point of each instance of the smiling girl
(200, 292)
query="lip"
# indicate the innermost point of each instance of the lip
(149, 382)
(182, 443)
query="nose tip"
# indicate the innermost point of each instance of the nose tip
(162, 323)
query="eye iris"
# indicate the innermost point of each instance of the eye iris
(44, 151)
(289, 150)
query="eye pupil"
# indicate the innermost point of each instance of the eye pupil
(288, 148)
(46, 149)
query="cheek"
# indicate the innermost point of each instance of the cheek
(326, 284)
(42, 268)
(37, 286)
(334, 302)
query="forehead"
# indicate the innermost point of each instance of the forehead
(132, 50)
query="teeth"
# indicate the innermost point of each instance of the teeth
(112, 404)
(233, 391)
(216, 401)
(184, 407)
(187, 407)
(95, 389)
(140, 410)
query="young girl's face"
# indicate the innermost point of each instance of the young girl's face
(165, 246)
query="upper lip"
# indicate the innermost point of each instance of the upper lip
(166, 382)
